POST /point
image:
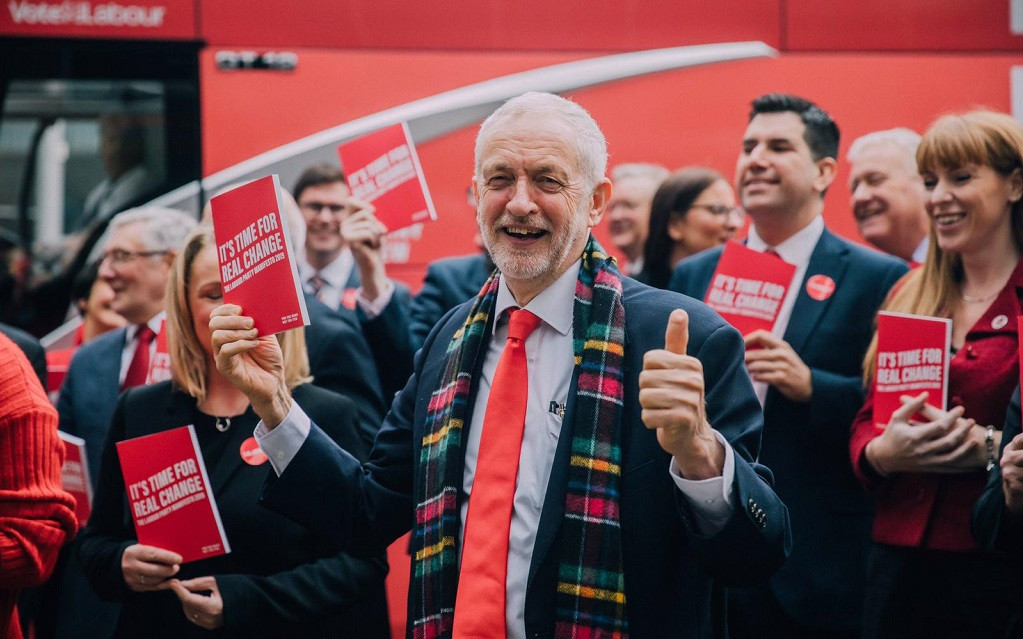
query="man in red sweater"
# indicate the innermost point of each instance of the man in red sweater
(36, 516)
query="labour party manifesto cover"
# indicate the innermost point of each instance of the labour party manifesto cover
(169, 494)
(383, 168)
(748, 287)
(912, 357)
(258, 266)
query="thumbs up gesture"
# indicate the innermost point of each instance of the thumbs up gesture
(671, 392)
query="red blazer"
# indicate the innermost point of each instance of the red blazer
(933, 510)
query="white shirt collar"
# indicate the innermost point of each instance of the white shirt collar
(549, 305)
(797, 248)
(335, 274)
(155, 323)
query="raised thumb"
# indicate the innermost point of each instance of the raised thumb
(676, 336)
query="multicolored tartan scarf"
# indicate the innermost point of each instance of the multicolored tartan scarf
(591, 587)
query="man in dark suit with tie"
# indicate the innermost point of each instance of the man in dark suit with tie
(628, 484)
(343, 267)
(806, 371)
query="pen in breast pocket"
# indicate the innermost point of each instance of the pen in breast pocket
(557, 409)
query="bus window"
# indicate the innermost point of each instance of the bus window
(80, 143)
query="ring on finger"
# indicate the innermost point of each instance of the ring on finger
(142, 579)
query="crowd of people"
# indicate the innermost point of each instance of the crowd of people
(578, 446)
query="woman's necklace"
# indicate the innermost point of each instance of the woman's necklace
(979, 300)
(223, 424)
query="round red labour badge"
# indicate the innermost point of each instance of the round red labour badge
(820, 287)
(251, 452)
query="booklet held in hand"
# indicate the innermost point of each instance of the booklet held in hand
(169, 494)
(383, 168)
(257, 258)
(912, 357)
(748, 287)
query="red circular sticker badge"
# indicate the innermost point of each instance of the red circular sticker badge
(251, 453)
(820, 287)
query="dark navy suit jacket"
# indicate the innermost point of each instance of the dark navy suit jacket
(806, 445)
(669, 566)
(448, 283)
(342, 360)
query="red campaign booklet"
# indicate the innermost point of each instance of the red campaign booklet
(169, 494)
(258, 265)
(748, 287)
(383, 168)
(74, 476)
(912, 357)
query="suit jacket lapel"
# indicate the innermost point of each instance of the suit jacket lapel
(108, 370)
(829, 258)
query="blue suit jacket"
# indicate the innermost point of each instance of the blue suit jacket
(448, 283)
(669, 566)
(386, 336)
(89, 394)
(806, 445)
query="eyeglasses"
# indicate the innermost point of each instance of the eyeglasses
(316, 207)
(720, 210)
(120, 256)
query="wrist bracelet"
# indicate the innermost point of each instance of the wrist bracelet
(989, 442)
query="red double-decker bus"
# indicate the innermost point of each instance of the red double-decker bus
(198, 94)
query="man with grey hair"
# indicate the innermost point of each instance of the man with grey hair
(575, 450)
(887, 193)
(137, 259)
(628, 211)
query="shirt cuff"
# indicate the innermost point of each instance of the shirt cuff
(282, 443)
(374, 308)
(711, 499)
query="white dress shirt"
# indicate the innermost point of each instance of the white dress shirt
(131, 340)
(335, 278)
(550, 359)
(795, 250)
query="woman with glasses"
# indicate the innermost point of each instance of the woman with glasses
(304, 588)
(693, 210)
(926, 467)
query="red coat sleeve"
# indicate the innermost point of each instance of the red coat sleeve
(36, 515)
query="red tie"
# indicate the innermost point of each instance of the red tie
(480, 600)
(138, 370)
